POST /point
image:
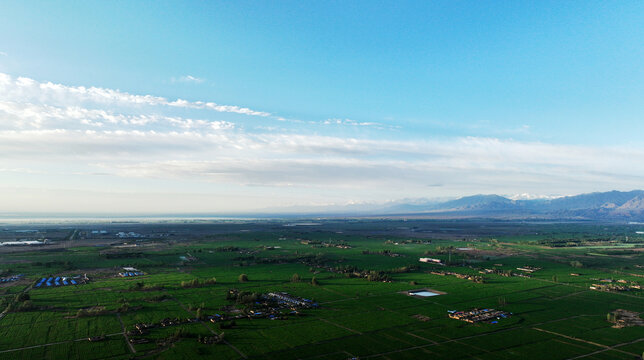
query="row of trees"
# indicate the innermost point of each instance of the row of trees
(194, 283)
(296, 279)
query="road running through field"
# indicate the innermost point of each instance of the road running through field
(127, 339)
(53, 343)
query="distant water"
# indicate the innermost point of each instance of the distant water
(90, 219)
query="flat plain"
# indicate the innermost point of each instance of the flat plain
(356, 272)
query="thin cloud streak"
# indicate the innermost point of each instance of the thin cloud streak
(28, 90)
(188, 79)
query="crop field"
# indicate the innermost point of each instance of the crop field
(204, 285)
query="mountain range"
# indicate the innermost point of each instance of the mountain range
(612, 205)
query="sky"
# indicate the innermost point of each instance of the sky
(223, 107)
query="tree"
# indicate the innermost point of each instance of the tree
(576, 264)
(243, 278)
(26, 306)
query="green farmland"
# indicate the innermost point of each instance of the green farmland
(356, 272)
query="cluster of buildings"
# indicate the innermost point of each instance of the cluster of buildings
(529, 269)
(315, 243)
(270, 306)
(615, 285)
(506, 273)
(60, 281)
(127, 235)
(339, 246)
(285, 300)
(474, 278)
(130, 272)
(624, 318)
(11, 278)
(144, 328)
(479, 315)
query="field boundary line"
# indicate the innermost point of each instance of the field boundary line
(614, 347)
(571, 294)
(341, 327)
(127, 340)
(420, 337)
(572, 338)
(606, 347)
(52, 343)
(439, 343)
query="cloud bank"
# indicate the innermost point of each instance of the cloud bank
(54, 133)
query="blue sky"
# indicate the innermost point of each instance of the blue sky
(327, 102)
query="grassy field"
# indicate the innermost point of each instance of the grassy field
(554, 313)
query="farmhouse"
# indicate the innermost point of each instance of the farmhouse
(130, 273)
(430, 260)
(24, 242)
(11, 278)
(529, 269)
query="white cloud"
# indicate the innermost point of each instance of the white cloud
(2, 53)
(14, 115)
(207, 154)
(28, 90)
(188, 79)
(50, 128)
(349, 122)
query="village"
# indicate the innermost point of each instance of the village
(611, 285)
(474, 278)
(11, 278)
(271, 306)
(624, 318)
(479, 315)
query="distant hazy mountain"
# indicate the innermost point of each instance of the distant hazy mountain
(606, 205)
(479, 202)
(612, 205)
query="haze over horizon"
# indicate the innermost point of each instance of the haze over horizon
(146, 107)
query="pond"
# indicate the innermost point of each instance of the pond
(423, 293)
